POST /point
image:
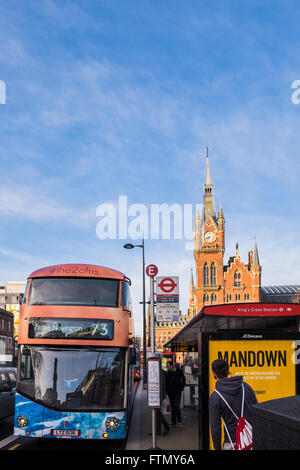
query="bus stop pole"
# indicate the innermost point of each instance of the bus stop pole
(144, 321)
(153, 351)
(152, 314)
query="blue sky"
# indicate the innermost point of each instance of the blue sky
(108, 98)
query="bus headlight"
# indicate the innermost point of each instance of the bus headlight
(112, 423)
(22, 421)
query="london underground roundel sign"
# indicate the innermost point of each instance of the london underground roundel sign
(151, 270)
(167, 284)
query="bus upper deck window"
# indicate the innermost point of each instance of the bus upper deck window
(96, 292)
(23, 298)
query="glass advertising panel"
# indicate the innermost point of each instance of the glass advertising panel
(267, 365)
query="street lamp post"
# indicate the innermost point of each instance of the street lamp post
(129, 246)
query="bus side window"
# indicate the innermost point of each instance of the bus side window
(23, 298)
(26, 382)
(125, 296)
(26, 369)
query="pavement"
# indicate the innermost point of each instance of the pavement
(185, 438)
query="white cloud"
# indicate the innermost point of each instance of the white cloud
(31, 203)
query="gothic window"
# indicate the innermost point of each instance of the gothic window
(213, 274)
(237, 279)
(205, 275)
(213, 298)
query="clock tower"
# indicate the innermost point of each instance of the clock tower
(217, 283)
(209, 248)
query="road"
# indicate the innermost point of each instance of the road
(7, 440)
(10, 442)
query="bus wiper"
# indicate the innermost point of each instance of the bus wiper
(90, 348)
(37, 303)
(50, 348)
(71, 348)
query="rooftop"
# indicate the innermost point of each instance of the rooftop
(279, 293)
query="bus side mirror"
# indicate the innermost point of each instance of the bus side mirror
(132, 356)
(127, 310)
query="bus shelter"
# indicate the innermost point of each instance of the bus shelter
(260, 341)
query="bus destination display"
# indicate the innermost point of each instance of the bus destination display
(75, 328)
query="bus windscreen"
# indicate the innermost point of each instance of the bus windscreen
(74, 291)
(76, 379)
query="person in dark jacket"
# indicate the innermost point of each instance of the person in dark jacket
(175, 383)
(231, 389)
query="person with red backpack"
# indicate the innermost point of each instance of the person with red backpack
(231, 402)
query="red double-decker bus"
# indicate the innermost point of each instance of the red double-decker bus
(75, 357)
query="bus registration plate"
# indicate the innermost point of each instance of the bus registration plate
(65, 432)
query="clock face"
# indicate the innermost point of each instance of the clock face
(210, 237)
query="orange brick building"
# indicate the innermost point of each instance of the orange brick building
(217, 283)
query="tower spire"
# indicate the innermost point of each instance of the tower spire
(255, 256)
(192, 278)
(208, 197)
(221, 215)
(208, 180)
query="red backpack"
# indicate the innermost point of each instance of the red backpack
(243, 434)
